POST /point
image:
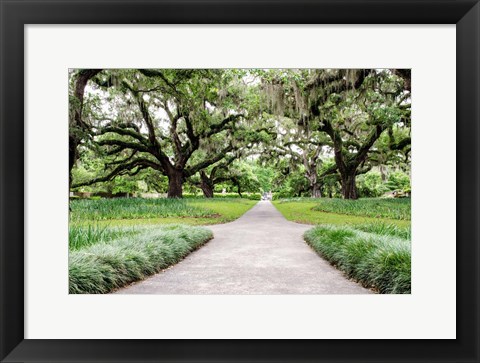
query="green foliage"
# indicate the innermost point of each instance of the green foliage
(387, 229)
(380, 261)
(124, 184)
(226, 196)
(227, 209)
(385, 157)
(80, 236)
(370, 207)
(303, 210)
(103, 267)
(88, 167)
(293, 184)
(341, 112)
(133, 211)
(281, 119)
(91, 165)
(398, 181)
(264, 175)
(132, 208)
(245, 175)
(210, 115)
(155, 181)
(254, 196)
(370, 185)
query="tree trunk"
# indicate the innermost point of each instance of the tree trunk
(72, 157)
(382, 173)
(312, 177)
(175, 184)
(206, 185)
(207, 190)
(316, 191)
(349, 187)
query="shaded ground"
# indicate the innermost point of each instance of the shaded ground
(259, 253)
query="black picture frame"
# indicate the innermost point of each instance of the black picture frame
(15, 14)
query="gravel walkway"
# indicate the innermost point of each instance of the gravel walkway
(259, 253)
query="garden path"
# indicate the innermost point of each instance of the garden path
(259, 253)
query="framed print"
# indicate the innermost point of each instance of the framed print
(437, 40)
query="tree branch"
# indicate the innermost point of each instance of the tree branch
(124, 132)
(400, 145)
(120, 170)
(215, 129)
(123, 145)
(204, 164)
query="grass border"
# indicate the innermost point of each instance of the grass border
(104, 267)
(381, 262)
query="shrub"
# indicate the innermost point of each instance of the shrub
(103, 267)
(370, 185)
(380, 261)
(398, 181)
(253, 196)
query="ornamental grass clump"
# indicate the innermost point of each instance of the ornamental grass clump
(378, 261)
(103, 267)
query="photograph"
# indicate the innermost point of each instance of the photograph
(239, 181)
(231, 181)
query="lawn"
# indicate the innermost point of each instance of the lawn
(312, 212)
(139, 211)
(399, 208)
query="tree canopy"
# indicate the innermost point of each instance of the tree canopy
(308, 131)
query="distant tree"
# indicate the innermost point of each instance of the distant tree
(208, 178)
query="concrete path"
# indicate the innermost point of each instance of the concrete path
(259, 253)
